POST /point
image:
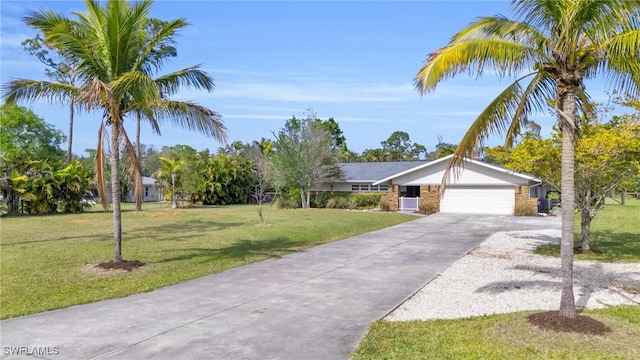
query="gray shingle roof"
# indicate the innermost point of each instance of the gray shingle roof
(374, 171)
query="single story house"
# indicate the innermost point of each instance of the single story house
(480, 187)
(149, 191)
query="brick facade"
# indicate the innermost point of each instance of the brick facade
(430, 195)
(391, 197)
(525, 206)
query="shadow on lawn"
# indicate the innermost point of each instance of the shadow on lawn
(180, 232)
(241, 250)
(163, 232)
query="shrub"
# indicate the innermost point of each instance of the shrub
(528, 207)
(367, 201)
(338, 202)
(319, 199)
(383, 205)
(288, 200)
(332, 203)
(427, 206)
(346, 200)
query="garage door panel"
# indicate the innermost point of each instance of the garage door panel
(478, 200)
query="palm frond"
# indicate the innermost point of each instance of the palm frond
(32, 90)
(100, 175)
(534, 99)
(511, 106)
(190, 116)
(95, 94)
(136, 85)
(506, 58)
(191, 77)
(621, 62)
(133, 170)
(163, 35)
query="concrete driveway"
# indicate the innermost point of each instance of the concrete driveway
(313, 304)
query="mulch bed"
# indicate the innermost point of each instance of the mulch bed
(552, 320)
(127, 265)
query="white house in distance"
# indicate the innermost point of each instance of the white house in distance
(149, 192)
(480, 187)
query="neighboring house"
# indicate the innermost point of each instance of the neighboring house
(149, 192)
(480, 187)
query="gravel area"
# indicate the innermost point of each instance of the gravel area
(503, 275)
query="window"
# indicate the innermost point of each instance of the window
(367, 187)
(146, 191)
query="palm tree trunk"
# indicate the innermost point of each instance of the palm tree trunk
(70, 139)
(174, 205)
(567, 300)
(115, 189)
(72, 80)
(139, 155)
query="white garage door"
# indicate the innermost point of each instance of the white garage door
(478, 200)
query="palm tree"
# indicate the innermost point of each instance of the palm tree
(116, 62)
(550, 49)
(171, 167)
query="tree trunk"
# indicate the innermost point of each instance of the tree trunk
(567, 300)
(70, 140)
(115, 188)
(302, 202)
(139, 155)
(585, 229)
(623, 196)
(174, 205)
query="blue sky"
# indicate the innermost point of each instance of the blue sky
(353, 61)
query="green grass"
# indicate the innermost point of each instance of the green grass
(508, 336)
(44, 259)
(615, 231)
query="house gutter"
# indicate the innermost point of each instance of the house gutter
(534, 185)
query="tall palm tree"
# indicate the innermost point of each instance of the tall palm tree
(116, 62)
(550, 49)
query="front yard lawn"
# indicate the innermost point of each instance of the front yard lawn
(46, 261)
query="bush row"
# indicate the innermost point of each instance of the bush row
(291, 199)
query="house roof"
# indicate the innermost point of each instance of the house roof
(374, 171)
(447, 158)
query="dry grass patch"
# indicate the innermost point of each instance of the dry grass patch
(166, 214)
(79, 221)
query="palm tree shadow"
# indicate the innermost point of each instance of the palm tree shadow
(603, 280)
(168, 231)
(241, 250)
